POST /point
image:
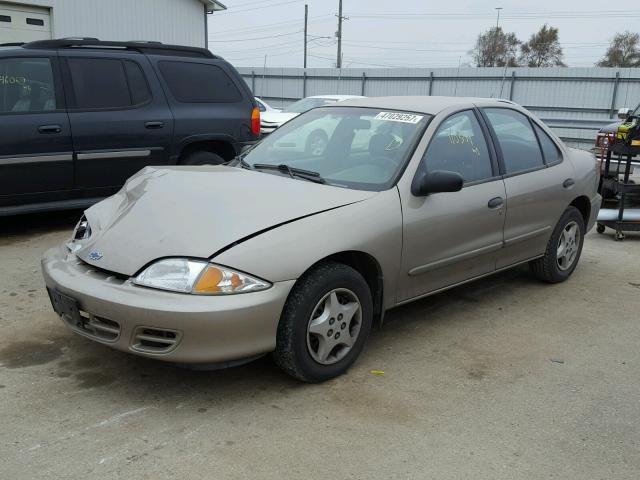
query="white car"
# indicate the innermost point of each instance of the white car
(265, 107)
(270, 120)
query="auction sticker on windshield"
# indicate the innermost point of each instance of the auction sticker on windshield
(399, 117)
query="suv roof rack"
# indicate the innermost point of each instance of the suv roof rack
(156, 48)
(12, 44)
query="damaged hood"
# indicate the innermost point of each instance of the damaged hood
(196, 212)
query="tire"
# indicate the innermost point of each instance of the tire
(316, 144)
(551, 267)
(202, 157)
(311, 324)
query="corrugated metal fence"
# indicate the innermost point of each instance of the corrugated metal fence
(575, 102)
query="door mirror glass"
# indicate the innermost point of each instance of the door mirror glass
(436, 182)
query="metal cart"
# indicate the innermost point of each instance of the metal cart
(620, 219)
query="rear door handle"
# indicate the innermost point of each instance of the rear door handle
(568, 183)
(48, 129)
(496, 202)
(154, 124)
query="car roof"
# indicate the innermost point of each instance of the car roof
(337, 97)
(423, 104)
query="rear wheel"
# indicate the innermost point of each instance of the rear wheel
(563, 249)
(325, 323)
(202, 157)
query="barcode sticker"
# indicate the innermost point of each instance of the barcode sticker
(399, 117)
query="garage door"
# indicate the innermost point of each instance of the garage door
(21, 23)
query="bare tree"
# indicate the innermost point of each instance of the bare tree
(623, 51)
(494, 48)
(543, 49)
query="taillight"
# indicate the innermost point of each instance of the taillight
(255, 121)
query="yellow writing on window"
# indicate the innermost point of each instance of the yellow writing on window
(11, 80)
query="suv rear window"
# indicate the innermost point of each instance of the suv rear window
(199, 83)
(107, 83)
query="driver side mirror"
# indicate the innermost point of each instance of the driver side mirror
(624, 113)
(436, 182)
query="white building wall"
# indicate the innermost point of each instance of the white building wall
(168, 21)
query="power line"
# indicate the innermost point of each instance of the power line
(256, 8)
(512, 16)
(231, 40)
(277, 25)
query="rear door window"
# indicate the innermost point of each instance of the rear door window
(140, 92)
(199, 83)
(26, 85)
(550, 150)
(519, 145)
(107, 83)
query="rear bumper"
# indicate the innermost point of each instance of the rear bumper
(207, 329)
(596, 202)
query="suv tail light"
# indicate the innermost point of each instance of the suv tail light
(255, 121)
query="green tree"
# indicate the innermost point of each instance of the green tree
(543, 49)
(495, 48)
(623, 51)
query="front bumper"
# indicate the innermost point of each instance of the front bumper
(206, 329)
(266, 129)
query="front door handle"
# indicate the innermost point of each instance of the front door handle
(49, 129)
(154, 124)
(495, 202)
(568, 183)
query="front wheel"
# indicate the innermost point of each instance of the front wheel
(202, 157)
(325, 323)
(563, 249)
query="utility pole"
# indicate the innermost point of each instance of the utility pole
(306, 20)
(339, 35)
(498, 19)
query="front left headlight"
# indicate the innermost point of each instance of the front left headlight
(197, 277)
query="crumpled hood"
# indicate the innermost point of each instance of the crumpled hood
(196, 211)
(276, 118)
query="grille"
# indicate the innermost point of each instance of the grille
(154, 340)
(96, 327)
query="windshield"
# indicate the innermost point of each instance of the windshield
(359, 148)
(305, 104)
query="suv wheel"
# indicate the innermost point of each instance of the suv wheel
(325, 323)
(563, 249)
(202, 157)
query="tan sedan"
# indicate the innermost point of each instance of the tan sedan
(299, 254)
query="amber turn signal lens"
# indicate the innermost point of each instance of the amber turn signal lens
(209, 281)
(216, 280)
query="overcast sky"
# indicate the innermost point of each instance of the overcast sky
(404, 33)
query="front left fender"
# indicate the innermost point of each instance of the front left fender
(372, 226)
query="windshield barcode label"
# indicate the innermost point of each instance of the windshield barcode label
(399, 117)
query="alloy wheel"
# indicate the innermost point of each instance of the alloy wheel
(334, 326)
(568, 246)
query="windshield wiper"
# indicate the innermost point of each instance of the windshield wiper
(292, 171)
(239, 159)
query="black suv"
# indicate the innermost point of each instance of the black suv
(80, 116)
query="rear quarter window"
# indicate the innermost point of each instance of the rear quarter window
(199, 83)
